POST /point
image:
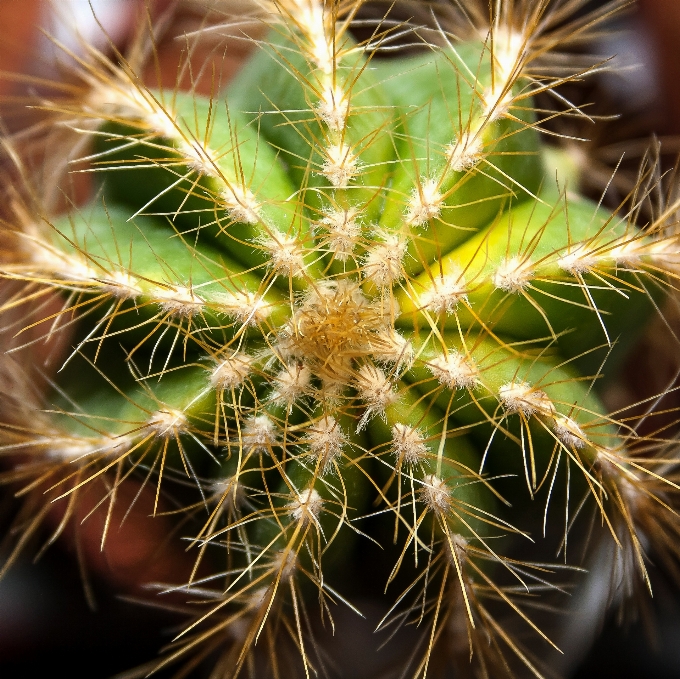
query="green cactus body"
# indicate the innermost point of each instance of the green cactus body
(347, 282)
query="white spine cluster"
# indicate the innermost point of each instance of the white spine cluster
(241, 205)
(445, 293)
(178, 300)
(47, 262)
(509, 51)
(628, 253)
(333, 108)
(199, 158)
(121, 285)
(232, 371)
(375, 389)
(286, 254)
(425, 203)
(578, 260)
(569, 432)
(343, 231)
(466, 152)
(310, 19)
(391, 347)
(434, 493)
(259, 434)
(408, 444)
(340, 164)
(292, 382)
(168, 423)
(248, 308)
(520, 397)
(513, 275)
(229, 491)
(306, 506)
(454, 370)
(383, 265)
(70, 449)
(326, 441)
(129, 101)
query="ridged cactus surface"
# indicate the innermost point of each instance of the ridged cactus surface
(345, 300)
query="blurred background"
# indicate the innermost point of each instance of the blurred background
(47, 624)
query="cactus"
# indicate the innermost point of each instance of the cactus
(346, 299)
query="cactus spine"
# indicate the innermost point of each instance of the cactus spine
(347, 286)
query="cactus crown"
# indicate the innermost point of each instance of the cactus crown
(347, 294)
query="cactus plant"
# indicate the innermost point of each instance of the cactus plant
(346, 299)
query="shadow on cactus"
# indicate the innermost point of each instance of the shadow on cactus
(346, 300)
